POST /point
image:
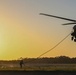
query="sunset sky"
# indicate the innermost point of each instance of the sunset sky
(25, 33)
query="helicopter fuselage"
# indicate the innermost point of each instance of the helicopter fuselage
(73, 34)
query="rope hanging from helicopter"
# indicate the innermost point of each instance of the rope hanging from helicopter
(51, 48)
(54, 46)
(73, 34)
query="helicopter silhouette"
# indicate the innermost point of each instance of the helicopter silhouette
(73, 34)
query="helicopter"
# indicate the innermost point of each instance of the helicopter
(73, 34)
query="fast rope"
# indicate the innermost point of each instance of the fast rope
(51, 48)
(54, 46)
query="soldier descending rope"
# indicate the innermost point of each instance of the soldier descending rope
(73, 34)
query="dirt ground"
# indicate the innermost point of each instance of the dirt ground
(37, 72)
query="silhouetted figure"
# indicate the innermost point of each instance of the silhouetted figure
(21, 63)
(73, 34)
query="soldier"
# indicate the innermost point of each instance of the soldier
(21, 63)
(74, 34)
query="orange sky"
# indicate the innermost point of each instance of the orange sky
(24, 33)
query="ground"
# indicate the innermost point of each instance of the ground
(36, 69)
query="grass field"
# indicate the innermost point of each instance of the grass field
(40, 67)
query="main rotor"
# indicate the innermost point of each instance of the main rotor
(73, 22)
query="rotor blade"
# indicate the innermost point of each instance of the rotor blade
(69, 23)
(58, 17)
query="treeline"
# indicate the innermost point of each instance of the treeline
(45, 60)
(51, 60)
